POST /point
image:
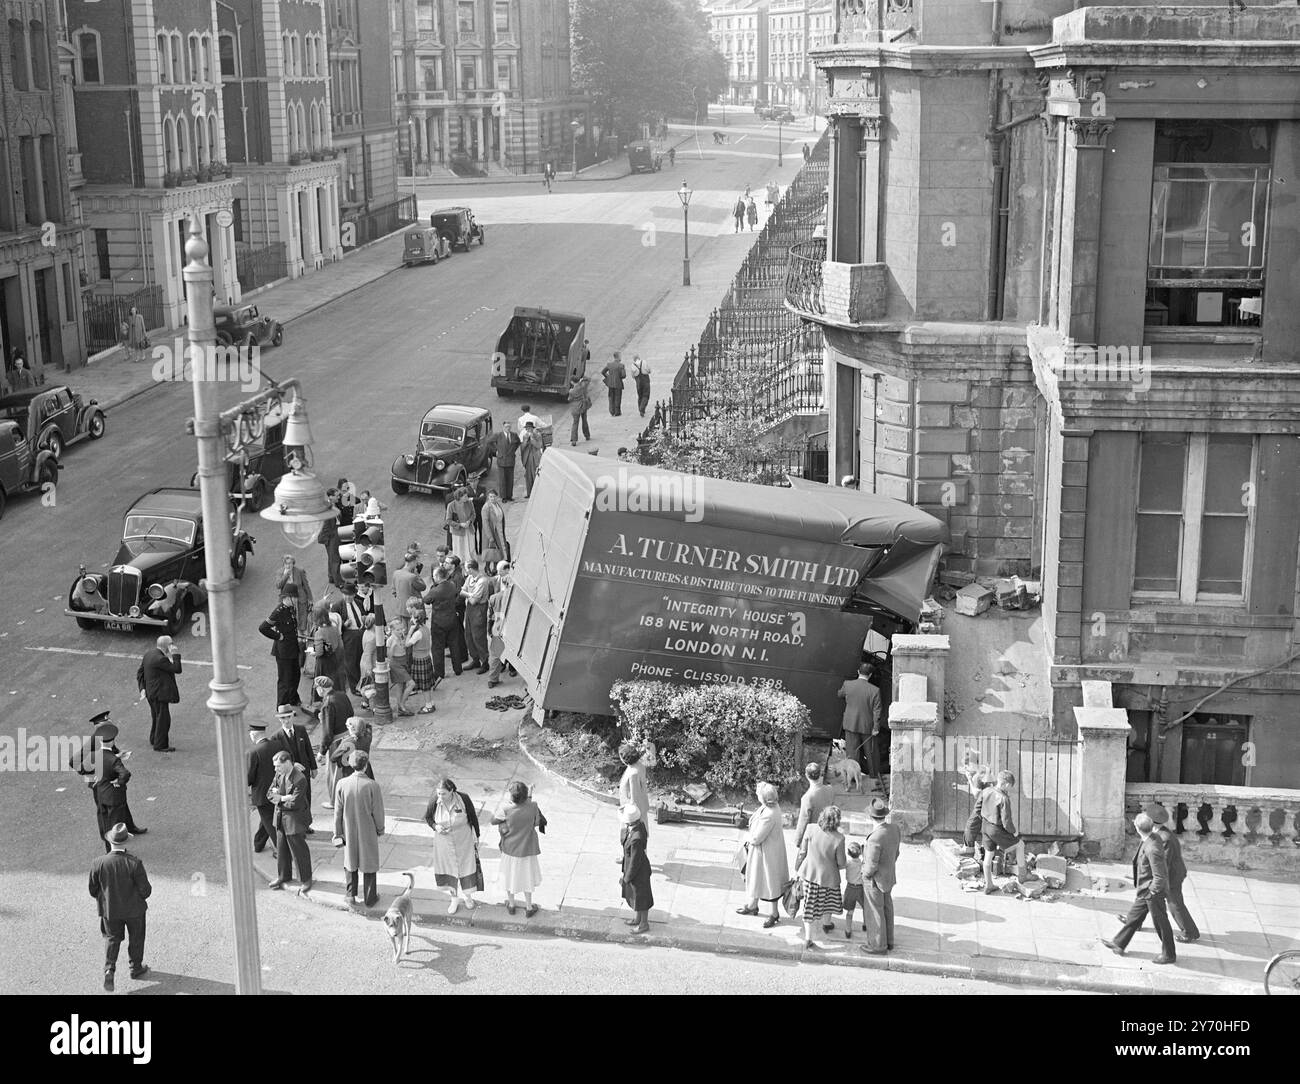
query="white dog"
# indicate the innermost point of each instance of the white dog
(841, 768)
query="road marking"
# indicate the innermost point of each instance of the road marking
(115, 655)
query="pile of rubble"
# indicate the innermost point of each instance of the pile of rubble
(1045, 877)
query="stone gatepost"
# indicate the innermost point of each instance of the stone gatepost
(913, 723)
(1103, 761)
(926, 656)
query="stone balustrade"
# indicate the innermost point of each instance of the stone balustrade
(1249, 827)
(842, 294)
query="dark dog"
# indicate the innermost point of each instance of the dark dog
(397, 919)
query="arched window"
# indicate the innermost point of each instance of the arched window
(201, 142)
(226, 48)
(316, 126)
(164, 63)
(169, 145)
(183, 145)
(88, 58)
(40, 55)
(178, 59)
(296, 45)
(293, 130)
(214, 149)
(18, 55)
(302, 127)
(287, 53)
(196, 65)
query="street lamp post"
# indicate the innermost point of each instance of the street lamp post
(575, 126)
(410, 133)
(779, 160)
(684, 194)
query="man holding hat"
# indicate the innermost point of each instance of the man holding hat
(1151, 878)
(879, 875)
(261, 774)
(109, 776)
(156, 678)
(358, 824)
(1187, 929)
(290, 793)
(120, 887)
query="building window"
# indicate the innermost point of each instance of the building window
(1209, 212)
(1194, 515)
(35, 214)
(226, 52)
(296, 45)
(501, 17)
(424, 16)
(196, 64)
(201, 141)
(88, 64)
(40, 55)
(429, 71)
(183, 145)
(101, 254)
(18, 55)
(214, 151)
(178, 59)
(504, 69)
(50, 177)
(164, 65)
(465, 16)
(468, 74)
(169, 148)
(293, 130)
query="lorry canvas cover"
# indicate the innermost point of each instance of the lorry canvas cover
(626, 572)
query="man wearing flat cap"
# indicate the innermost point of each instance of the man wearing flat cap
(1151, 878)
(879, 875)
(1187, 929)
(120, 888)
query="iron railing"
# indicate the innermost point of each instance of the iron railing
(379, 222)
(260, 266)
(105, 316)
(803, 277)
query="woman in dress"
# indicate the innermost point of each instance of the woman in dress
(419, 655)
(520, 822)
(636, 870)
(356, 736)
(454, 821)
(368, 634)
(336, 710)
(327, 646)
(460, 525)
(475, 594)
(820, 860)
(766, 868)
(399, 678)
(632, 788)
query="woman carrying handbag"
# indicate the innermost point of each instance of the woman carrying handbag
(766, 869)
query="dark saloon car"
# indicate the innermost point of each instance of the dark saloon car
(243, 325)
(452, 448)
(22, 467)
(254, 470)
(54, 417)
(457, 225)
(157, 577)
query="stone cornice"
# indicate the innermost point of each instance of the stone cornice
(921, 57)
(1167, 54)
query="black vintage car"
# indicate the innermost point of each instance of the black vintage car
(451, 450)
(54, 417)
(157, 577)
(254, 470)
(243, 325)
(23, 467)
(457, 225)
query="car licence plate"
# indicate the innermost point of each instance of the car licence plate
(118, 626)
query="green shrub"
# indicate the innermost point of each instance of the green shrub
(731, 736)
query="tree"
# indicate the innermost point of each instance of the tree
(639, 60)
(720, 444)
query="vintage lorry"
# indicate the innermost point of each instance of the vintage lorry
(540, 353)
(625, 572)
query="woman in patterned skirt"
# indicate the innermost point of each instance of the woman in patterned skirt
(818, 866)
(419, 655)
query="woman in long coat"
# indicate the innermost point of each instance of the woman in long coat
(520, 822)
(335, 711)
(495, 547)
(327, 646)
(636, 870)
(460, 525)
(454, 821)
(358, 824)
(530, 455)
(766, 867)
(290, 572)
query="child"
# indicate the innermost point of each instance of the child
(977, 782)
(853, 890)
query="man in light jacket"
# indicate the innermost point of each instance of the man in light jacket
(816, 798)
(879, 875)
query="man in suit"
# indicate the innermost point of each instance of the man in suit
(1151, 878)
(816, 798)
(862, 718)
(329, 538)
(349, 610)
(261, 774)
(281, 628)
(505, 449)
(407, 583)
(104, 767)
(614, 374)
(1187, 928)
(120, 888)
(292, 738)
(879, 875)
(441, 599)
(156, 678)
(290, 793)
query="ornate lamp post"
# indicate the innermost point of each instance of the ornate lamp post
(684, 194)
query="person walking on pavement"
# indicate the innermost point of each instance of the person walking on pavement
(641, 378)
(751, 212)
(818, 865)
(766, 867)
(358, 826)
(520, 871)
(454, 821)
(1187, 928)
(1151, 879)
(495, 546)
(156, 678)
(530, 454)
(290, 793)
(816, 798)
(879, 875)
(580, 400)
(281, 628)
(635, 879)
(862, 717)
(458, 524)
(336, 710)
(632, 787)
(441, 600)
(260, 776)
(614, 374)
(505, 447)
(738, 213)
(120, 888)
(419, 655)
(807, 154)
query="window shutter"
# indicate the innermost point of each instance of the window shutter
(1277, 527)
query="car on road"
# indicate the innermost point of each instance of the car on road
(424, 244)
(457, 225)
(243, 325)
(450, 451)
(643, 158)
(54, 417)
(23, 467)
(157, 576)
(254, 470)
(775, 112)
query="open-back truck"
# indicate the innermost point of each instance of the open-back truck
(539, 353)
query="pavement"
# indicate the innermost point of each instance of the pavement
(941, 929)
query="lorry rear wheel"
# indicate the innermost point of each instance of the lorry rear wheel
(505, 393)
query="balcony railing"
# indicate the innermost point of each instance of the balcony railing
(841, 294)
(803, 277)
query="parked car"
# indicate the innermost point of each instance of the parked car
(457, 225)
(451, 449)
(54, 417)
(424, 244)
(643, 158)
(23, 467)
(243, 325)
(157, 577)
(254, 470)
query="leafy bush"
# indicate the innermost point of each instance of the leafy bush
(731, 736)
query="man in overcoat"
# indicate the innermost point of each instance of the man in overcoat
(1187, 928)
(260, 776)
(1151, 878)
(120, 888)
(291, 796)
(358, 824)
(879, 875)
(862, 718)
